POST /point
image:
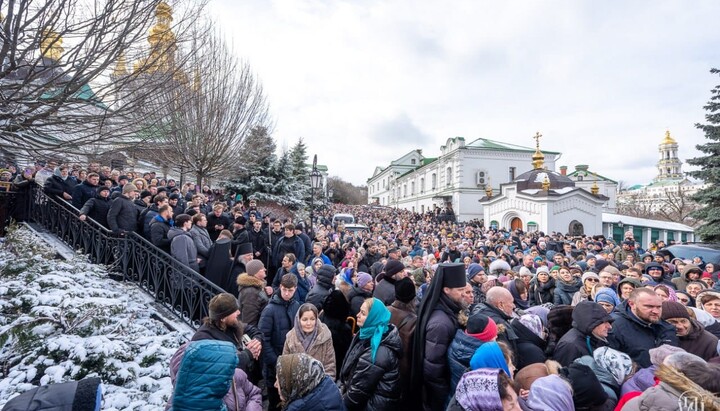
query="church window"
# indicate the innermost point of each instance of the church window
(532, 226)
(448, 176)
(422, 185)
(434, 181)
(412, 161)
(412, 188)
(512, 173)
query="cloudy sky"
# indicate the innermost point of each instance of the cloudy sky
(365, 81)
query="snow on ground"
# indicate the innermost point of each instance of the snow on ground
(65, 320)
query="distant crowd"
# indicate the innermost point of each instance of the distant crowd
(417, 311)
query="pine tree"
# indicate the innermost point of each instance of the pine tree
(254, 180)
(299, 159)
(709, 170)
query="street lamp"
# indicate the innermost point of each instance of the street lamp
(315, 181)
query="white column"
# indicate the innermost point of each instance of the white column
(663, 235)
(646, 235)
(690, 237)
(609, 230)
(678, 237)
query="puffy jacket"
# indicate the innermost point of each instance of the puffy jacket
(159, 230)
(123, 215)
(405, 319)
(439, 333)
(372, 386)
(204, 376)
(324, 397)
(530, 347)
(611, 387)
(252, 298)
(580, 340)
(461, 351)
(666, 395)
(321, 349)
(385, 290)
(82, 193)
(245, 396)
(84, 394)
(275, 321)
(234, 335)
(635, 337)
(286, 245)
(97, 209)
(564, 292)
(202, 241)
(183, 248)
(316, 296)
(56, 186)
(542, 293)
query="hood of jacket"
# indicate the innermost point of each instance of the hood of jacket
(247, 280)
(174, 232)
(687, 268)
(588, 315)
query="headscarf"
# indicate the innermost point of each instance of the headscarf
(490, 283)
(607, 295)
(672, 296)
(551, 393)
(306, 339)
(533, 323)
(375, 326)
(617, 363)
(478, 390)
(519, 302)
(489, 355)
(298, 374)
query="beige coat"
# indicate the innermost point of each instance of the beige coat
(321, 349)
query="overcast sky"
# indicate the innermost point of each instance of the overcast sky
(364, 82)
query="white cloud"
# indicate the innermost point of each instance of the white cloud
(601, 81)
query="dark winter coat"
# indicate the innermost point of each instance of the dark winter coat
(341, 335)
(286, 245)
(316, 296)
(530, 347)
(307, 245)
(439, 334)
(123, 215)
(324, 397)
(82, 193)
(224, 220)
(579, 341)
(357, 296)
(240, 236)
(303, 287)
(564, 292)
(635, 337)
(405, 320)
(259, 241)
(541, 293)
(56, 186)
(146, 218)
(183, 248)
(509, 336)
(461, 351)
(252, 298)
(81, 395)
(276, 320)
(372, 386)
(159, 229)
(385, 290)
(700, 342)
(97, 209)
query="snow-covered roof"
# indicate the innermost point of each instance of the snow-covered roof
(645, 222)
(487, 144)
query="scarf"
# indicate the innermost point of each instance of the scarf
(306, 339)
(489, 355)
(478, 390)
(297, 375)
(617, 363)
(519, 302)
(375, 326)
(551, 393)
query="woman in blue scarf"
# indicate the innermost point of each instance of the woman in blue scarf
(370, 378)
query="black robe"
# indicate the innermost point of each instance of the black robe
(218, 269)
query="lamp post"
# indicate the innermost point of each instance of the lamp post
(315, 180)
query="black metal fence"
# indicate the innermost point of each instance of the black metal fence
(177, 287)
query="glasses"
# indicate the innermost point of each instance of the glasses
(683, 300)
(594, 280)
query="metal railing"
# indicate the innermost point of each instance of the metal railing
(180, 289)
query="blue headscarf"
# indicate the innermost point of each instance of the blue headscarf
(376, 324)
(489, 355)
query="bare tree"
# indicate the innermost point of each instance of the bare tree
(200, 125)
(64, 75)
(677, 206)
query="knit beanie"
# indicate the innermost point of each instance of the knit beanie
(672, 309)
(393, 267)
(405, 290)
(129, 188)
(482, 327)
(524, 271)
(222, 305)
(658, 354)
(363, 279)
(473, 270)
(589, 274)
(252, 267)
(543, 269)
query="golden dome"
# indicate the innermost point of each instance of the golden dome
(538, 158)
(668, 139)
(51, 45)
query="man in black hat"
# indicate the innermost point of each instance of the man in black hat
(436, 326)
(385, 290)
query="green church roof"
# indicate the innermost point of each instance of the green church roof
(85, 94)
(487, 144)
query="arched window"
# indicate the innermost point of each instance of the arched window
(412, 188)
(422, 185)
(434, 181)
(448, 176)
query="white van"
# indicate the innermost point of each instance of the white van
(343, 218)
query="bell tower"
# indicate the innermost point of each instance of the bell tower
(669, 165)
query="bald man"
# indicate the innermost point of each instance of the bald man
(499, 305)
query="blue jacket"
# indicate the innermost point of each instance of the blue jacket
(325, 397)
(326, 259)
(303, 286)
(205, 376)
(276, 320)
(461, 351)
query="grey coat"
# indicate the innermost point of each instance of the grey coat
(202, 241)
(183, 248)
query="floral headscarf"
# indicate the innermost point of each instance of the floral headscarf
(478, 390)
(298, 374)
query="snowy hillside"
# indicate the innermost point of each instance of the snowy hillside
(64, 320)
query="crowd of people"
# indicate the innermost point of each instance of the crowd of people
(417, 311)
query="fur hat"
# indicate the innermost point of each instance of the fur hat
(253, 267)
(405, 290)
(222, 305)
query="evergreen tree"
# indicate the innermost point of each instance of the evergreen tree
(709, 170)
(299, 159)
(254, 180)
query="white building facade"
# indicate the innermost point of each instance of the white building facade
(457, 178)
